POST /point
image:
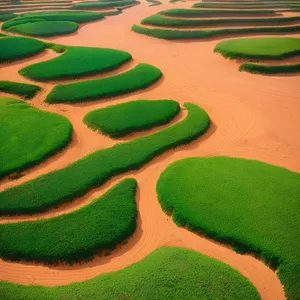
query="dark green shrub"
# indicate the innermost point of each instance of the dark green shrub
(22, 89)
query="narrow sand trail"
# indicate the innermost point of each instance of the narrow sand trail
(253, 116)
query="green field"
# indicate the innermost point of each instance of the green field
(166, 273)
(173, 34)
(77, 62)
(6, 16)
(72, 16)
(245, 7)
(93, 170)
(140, 77)
(187, 12)
(14, 48)
(260, 48)
(122, 119)
(102, 4)
(160, 20)
(18, 21)
(24, 90)
(45, 28)
(28, 135)
(248, 204)
(264, 69)
(74, 236)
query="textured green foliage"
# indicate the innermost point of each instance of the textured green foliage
(154, 2)
(72, 16)
(96, 168)
(45, 28)
(74, 236)
(7, 16)
(142, 76)
(173, 34)
(166, 273)
(18, 21)
(77, 62)
(22, 89)
(243, 6)
(102, 4)
(121, 119)
(14, 48)
(28, 135)
(263, 69)
(260, 48)
(160, 20)
(187, 12)
(248, 204)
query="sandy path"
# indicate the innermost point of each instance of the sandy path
(253, 117)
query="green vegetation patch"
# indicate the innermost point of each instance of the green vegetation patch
(122, 119)
(166, 273)
(102, 4)
(18, 21)
(93, 170)
(260, 48)
(159, 20)
(172, 34)
(77, 62)
(14, 48)
(45, 28)
(74, 236)
(28, 135)
(72, 16)
(264, 69)
(249, 204)
(243, 6)
(142, 76)
(22, 89)
(7, 16)
(186, 12)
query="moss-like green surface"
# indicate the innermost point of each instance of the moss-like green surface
(7, 16)
(14, 48)
(74, 236)
(102, 4)
(28, 135)
(166, 273)
(265, 69)
(18, 21)
(45, 28)
(173, 34)
(160, 20)
(248, 204)
(260, 48)
(96, 168)
(17, 88)
(140, 77)
(77, 62)
(122, 119)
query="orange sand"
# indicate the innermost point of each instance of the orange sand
(253, 116)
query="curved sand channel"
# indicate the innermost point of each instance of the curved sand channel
(255, 117)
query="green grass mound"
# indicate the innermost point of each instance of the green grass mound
(77, 62)
(187, 12)
(249, 204)
(7, 16)
(14, 48)
(173, 34)
(45, 28)
(102, 4)
(72, 16)
(18, 21)
(166, 273)
(260, 48)
(140, 77)
(154, 2)
(96, 168)
(243, 6)
(74, 236)
(122, 119)
(28, 135)
(159, 20)
(21, 89)
(264, 69)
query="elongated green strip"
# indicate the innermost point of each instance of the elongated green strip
(264, 69)
(74, 180)
(17, 88)
(142, 76)
(75, 236)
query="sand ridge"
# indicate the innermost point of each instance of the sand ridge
(253, 116)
